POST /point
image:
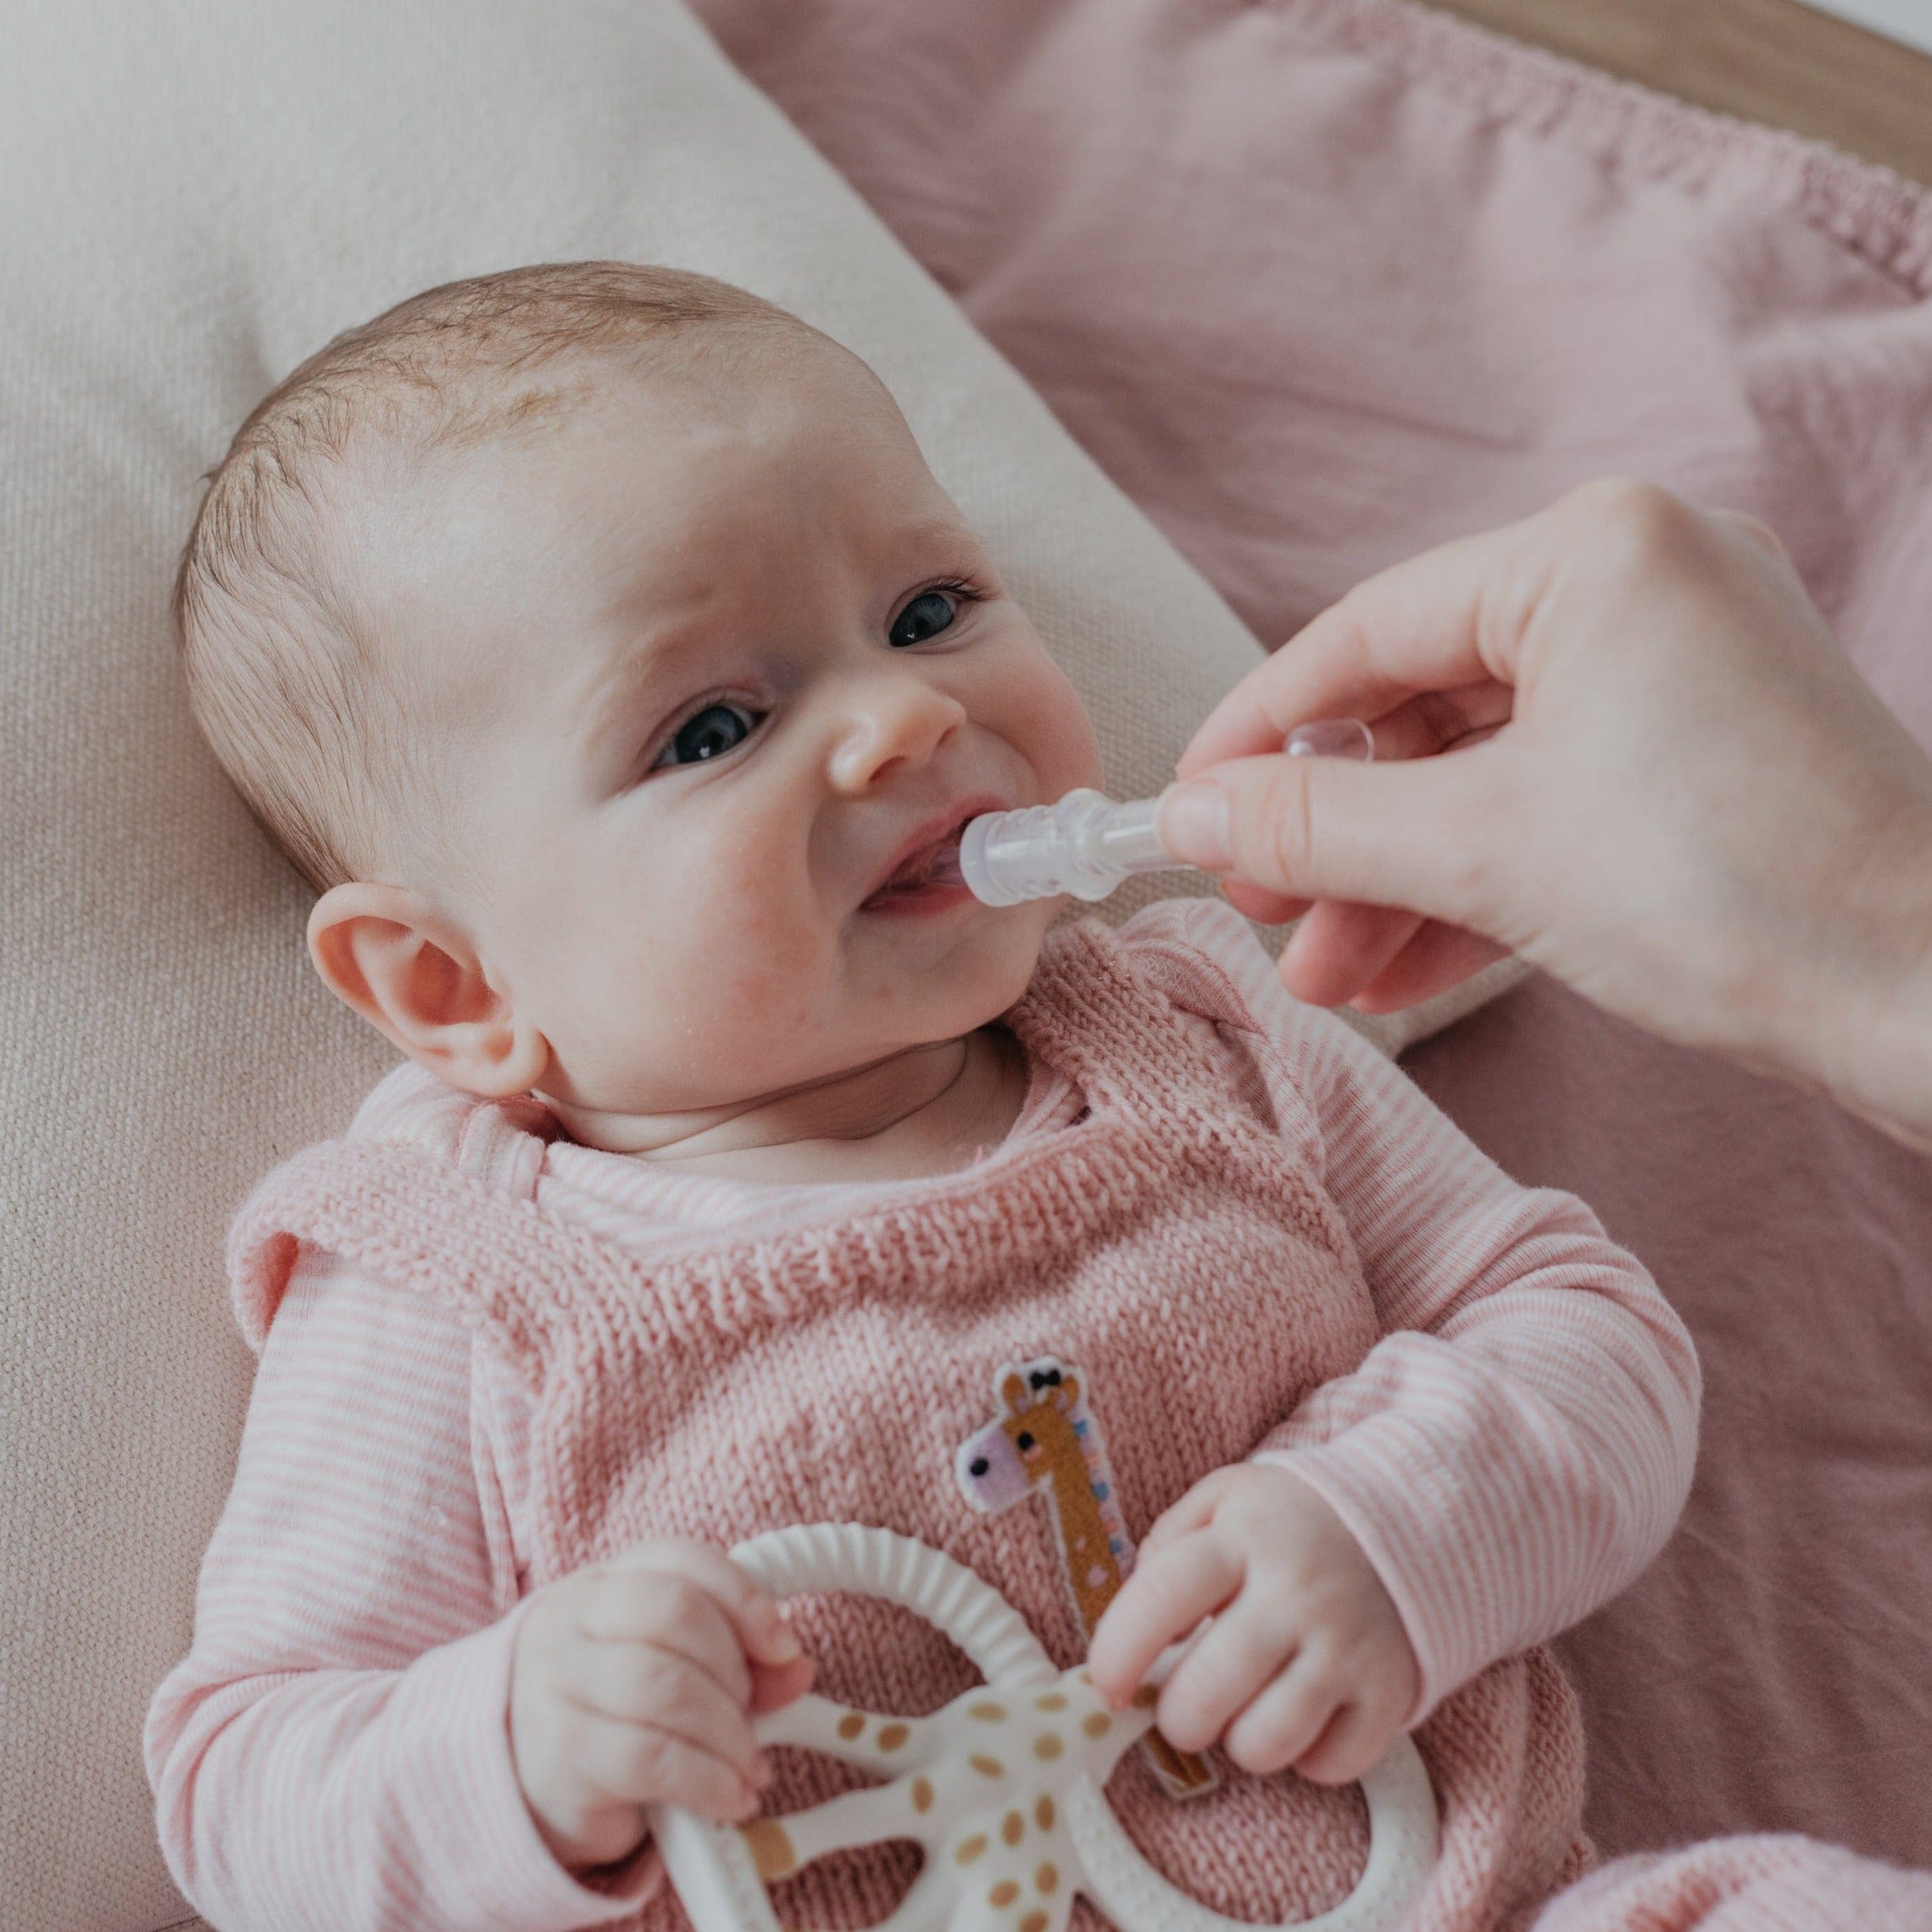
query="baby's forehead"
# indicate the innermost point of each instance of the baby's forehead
(505, 440)
(566, 491)
(735, 382)
(553, 468)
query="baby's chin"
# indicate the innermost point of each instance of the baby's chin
(901, 985)
(964, 961)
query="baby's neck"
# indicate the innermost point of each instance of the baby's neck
(929, 1111)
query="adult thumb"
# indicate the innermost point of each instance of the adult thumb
(1415, 833)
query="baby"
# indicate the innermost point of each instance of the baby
(595, 641)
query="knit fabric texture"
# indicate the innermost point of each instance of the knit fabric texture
(1175, 1249)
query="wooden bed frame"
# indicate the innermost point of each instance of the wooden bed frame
(1773, 60)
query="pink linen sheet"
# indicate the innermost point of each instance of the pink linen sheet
(1322, 283)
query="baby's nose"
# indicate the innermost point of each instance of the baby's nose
(892, 723)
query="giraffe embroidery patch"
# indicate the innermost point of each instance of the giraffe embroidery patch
(1046, 1438)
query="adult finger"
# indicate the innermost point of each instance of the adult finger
(1760, 533)
(1266, 909)
(1342, 947)
(1408, 835)
(1439, 957)
(1436, 623)
(1433, 721)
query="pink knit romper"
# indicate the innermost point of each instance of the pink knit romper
(1170, 1244)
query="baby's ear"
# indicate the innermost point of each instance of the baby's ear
(413, 974)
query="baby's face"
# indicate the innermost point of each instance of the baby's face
(711, 662)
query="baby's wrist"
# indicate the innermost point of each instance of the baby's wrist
(609, 1875)
(595, 1857)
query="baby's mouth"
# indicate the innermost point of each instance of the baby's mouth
(922, 876)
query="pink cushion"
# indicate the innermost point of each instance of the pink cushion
(1321, 282)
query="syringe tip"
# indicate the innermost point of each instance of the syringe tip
(943, 868)
(1086, 844)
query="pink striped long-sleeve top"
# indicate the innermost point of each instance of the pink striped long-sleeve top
(334, 1750)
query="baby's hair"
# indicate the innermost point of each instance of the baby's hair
(284, 675)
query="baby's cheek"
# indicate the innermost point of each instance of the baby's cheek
(1049, 726)
(762, 990)
(752, 989)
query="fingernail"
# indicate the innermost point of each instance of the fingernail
(786, 1645)
(1193, 826)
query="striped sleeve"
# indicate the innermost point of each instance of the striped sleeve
(1517, 1446)
(333, 1753)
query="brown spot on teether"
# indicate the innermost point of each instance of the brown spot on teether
(922, 1794)
(771, 1847)
(1034, 1921)
(1097, 1724)
(851, 1724)
(1047, 1745)
(987, 1713)
(969, 1849)
(1053, 1700)
(1011, 1827)
(987, 1767)
(1146, 1697)
(1005, 1892)
(893, 1736)
(1046, 1877)
(1043, 1813)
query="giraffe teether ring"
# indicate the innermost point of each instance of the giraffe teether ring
(1002, 1789)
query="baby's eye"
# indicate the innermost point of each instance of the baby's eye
(925, 617)
(709, 734)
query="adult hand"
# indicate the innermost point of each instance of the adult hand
(1669, 787)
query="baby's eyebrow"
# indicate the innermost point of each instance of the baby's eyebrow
(612, 694)
(934, 532)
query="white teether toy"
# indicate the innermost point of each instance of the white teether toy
(1001, 1789)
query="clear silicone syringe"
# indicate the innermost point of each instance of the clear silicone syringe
(1087, 844)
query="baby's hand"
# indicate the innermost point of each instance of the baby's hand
(1307, 1663)
(635, 1682)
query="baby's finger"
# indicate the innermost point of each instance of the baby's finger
(752, 1608)
(1280, 1724)
(776, 1685)
(1163, 1599)
(1221, 1675)
(1352, 1741)
(656, 1609)
(1193, 1511)
(638, 1763)
(636, 1684)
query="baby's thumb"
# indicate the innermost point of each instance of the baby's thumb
(773, 1685)
(1416, 834)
